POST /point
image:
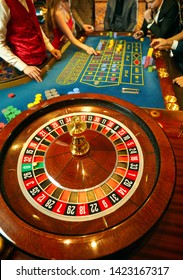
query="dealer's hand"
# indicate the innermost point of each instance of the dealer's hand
(56, 53)
(33, 72)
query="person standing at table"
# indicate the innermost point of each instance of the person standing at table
(59, 22)
(175, 45)
(161, 18)
(121, 15)
(83, 12)
(22, 42)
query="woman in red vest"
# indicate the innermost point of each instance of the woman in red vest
(60, 22)
(22, 42)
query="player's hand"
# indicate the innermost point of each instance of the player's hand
(56, 53)
(148, 14)
(161, 44)
(178, 81)
(33, 72)
(64, 39)
(88, 28)
(90, 50)
(138, 34)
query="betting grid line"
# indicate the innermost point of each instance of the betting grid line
(132, 72)
(71, 72)
(105, 73)
(119, 62)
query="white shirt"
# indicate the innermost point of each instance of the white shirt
(5, 51)
(174, 45)
(156, 16)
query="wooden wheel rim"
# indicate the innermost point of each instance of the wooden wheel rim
(45, 244)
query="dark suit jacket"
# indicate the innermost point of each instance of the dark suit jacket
(83, 11)
(178, 54)
(168, 21)
(180, 47)
(129, 15)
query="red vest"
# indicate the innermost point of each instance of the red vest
(24, 35)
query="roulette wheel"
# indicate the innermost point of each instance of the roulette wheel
(82, 176)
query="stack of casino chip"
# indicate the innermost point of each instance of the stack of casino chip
(119, 48)
(111, 44)
(51, 93)
(10, 113)
(100, 46)
(37, 100)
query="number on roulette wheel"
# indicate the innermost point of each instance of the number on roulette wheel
(82, 176)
